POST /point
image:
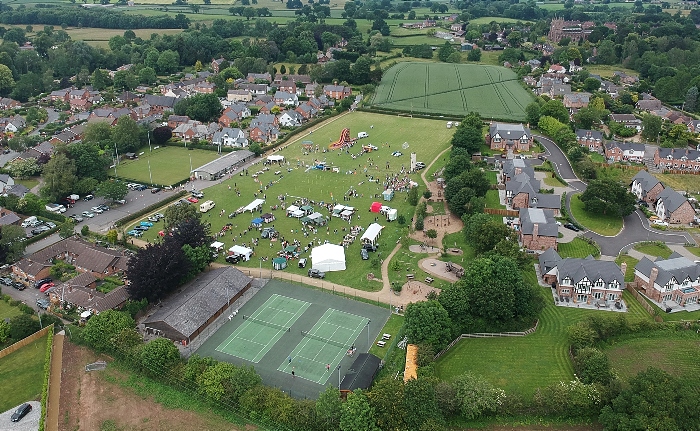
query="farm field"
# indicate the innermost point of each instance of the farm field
(168, 165)
(453, 89)
(599, 223)
(522, 364)
(22, 371)
(389, 133)
(672, 352)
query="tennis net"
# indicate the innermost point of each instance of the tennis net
(324, 340)
(266, 323)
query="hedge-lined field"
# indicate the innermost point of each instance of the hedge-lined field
(453, 89)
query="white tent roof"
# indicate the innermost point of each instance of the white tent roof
(328, 257)
(314, 216)
(346, 213)
(297, 213)
(253, 205)
(292, 208)
(338, 207)
(239, 249)
(216, 245)
(372, 232)
(275, 158)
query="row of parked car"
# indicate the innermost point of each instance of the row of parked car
(143, 226)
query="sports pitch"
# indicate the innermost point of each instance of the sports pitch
(453, 89)
(285, 328)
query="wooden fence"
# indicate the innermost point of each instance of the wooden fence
(502, 212)
(487, 335)
(681, 171)
(643, 302)
(23, 342)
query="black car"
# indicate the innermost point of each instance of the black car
(39, 283)
(88, 198)
(17, 285)
(571, 226)
(155, 190)
(364, 254)
(103, 207)
(233, 258)
(21, 412)
(315, 273)
(369, 247)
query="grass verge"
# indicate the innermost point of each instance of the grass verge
(602, 224)
(577, 248)
(631, 263)
(656, 249)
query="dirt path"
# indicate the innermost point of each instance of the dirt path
(53, 402)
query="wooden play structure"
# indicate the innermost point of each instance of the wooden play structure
(344, 141)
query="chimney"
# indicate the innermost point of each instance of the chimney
(535, 230)
(652, 277)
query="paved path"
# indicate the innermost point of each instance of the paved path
(52, 405)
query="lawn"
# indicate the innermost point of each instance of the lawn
(457, 240)
(492, 200)
(8, 311)
(418, 39)
(489, 19)
(522, 364)
(392, 326)
(680, 182)
(603, 224)
(427, 138)
(656, 249)
(631, 263)
(168, 165)
(22, 371)
(552, 181)
(673, 352)
(28, 183)
(453, 89)
(576, 248)
(694, 250)
(597, 158)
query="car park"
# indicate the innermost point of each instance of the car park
(43, 303)
(40, 229)
(97, 210)
(192, 199)
(50, 224)
(364, 254)
(315, 273)
(146, 223)
(77, 218)
(6, 281)
(136, 233)
(87, 214)
(88, 197)
(103, 207)
(18, 285)
(21, 412)
(28, 221)
(197, 194)
(571, 226)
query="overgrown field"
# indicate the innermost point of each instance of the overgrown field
(453, 89)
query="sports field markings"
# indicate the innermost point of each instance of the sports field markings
(250, 331)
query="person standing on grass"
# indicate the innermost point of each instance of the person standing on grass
(328, 367)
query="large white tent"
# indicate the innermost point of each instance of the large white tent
(372, 233)
(239, 250)
(328, 257)
(255, 205)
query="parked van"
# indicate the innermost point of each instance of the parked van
(206, 206)
(28, 221)
(362, 135)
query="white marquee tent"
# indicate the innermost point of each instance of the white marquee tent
(239, 250)
(255, 205)
(372, 233)
(328, 257)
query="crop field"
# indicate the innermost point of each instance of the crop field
(453, 89)
(168, 165)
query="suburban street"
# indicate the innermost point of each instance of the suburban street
(560, 163)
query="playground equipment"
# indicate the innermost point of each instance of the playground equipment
(344, 141)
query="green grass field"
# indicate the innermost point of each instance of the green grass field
(631, 263)
(576, 248)
(453, 89)
(599, 223)
(522, 364)
(694, 250)
(672, 352)
(426, 137)
(392, 326)
(492, 200)
(654, 249)
(8, 311)
(22, 371)
(553, 182)
(168, 165)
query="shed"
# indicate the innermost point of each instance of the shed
(257, 222)
(391, 214)
(239, 250)
(223, 165)
(361, 373)
(388, 194)
(372, 233)
(375, 207)
(279, 263)
(328, 257)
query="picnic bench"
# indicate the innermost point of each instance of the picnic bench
(381, 343)
(386, 336)
(429, 280)
(410, 276)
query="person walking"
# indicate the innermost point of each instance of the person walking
(289, 358)
(328, 367)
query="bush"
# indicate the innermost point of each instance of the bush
(401, 219)
(413, 196)
(23, 326)
(26, 309)
(427, 194)
(419, 223)
(85, 230)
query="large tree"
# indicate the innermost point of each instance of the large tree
(428, 322)
(328, 408)
(420, 405)
(190, 231)
(476, 396)
(177, 214)
(102, 330)
(226, 382)
(89, 160)
(59, 177)
(200, 107)
(652, 127)
(357, 414)
(607, 196)
(158, 357)
(127, 135)
(114, 190)
(483, 233)
(556, 109)
(386, 397)
(11, 243)
(156, 270)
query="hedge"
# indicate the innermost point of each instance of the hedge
(42, 235)
(45, 385)
(138, 214)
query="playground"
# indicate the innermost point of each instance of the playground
(287, 329)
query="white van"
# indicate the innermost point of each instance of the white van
(28, 221)
(362, 135)
(206, 206)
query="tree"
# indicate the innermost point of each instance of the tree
(177, 214)
(11, 243)
(476, 397)
(125, 80)
(66, 229)
(591, 84)
(127, 135)
(147, 75)
(23, 326)
(652, 127)
(357, 414)
(654, 400)
(21, 168)
(102, 329)
(7, 83)
(156, 270)
(114, 190)
(607, 196)
(555, 109)
(592, 366)
(198, 258)
(532, 113)
(386, 398)
(200, 107)
(59, 177)
(587, 117)
(168, 62)
(158, 357)
(483, 233)
(226, 382)
(428, 322)
(444, 51)
(90, 161)
(162, 134)
(474, 55)
(328, 408)
(98, 133)
(431, 233)
(256, 148)
(420, 405)
(191, 232)
(691, 99)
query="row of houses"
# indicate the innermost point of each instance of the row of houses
(614, 151)
(668, 204)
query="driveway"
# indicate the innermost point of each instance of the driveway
(28, 423)
(636, 229)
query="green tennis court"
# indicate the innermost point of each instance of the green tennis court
(322, 348)
(260, 331)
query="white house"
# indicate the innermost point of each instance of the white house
(228, 137)
(286, 99)
(290, 119)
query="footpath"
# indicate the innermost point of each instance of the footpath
(52, 404)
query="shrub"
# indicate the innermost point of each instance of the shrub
(427, 194)
(85, 230)
(419, 223)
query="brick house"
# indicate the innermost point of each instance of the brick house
(234, 113)
(337, 92)
(677, 159)
(30, 271)
(646, 187)
(520, 189)
(673, 207)
(628, 151)
(538, 229)
(591, 139)
(504, 136)
(257, 77)
(575, 101)
(583, 280)
(176, 120)
(675, 279)
(693, 126)
(263, 132)
(216, 64)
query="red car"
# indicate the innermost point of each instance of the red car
(46, 286)
(193, 199)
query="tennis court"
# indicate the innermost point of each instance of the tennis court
(322, 348)
(260, 331)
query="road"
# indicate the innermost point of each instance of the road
(560, 163)
(52, 116)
